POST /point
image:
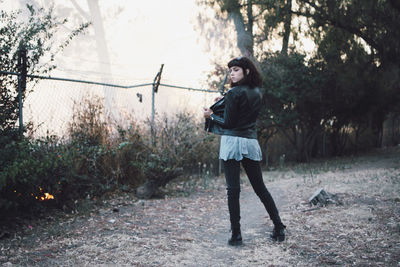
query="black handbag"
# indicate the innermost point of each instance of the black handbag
(218, 109)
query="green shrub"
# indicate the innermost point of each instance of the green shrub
(93, 159)
(33, 168)
(130, 153)
(180, 141)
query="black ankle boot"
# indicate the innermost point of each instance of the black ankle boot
(236, 239)
(278, 234)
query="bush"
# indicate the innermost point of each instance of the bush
(43, 167)
(65, 169)
(93, 159)
(175, 146)
(181, 142)
(33, 168)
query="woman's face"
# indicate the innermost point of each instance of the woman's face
(236, 74)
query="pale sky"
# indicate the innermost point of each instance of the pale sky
(140, 36)
(149, 33)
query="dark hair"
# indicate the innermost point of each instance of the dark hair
(253, 79)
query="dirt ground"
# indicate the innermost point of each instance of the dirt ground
(192, 229)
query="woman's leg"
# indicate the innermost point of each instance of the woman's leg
(232, 176)
(253, 171)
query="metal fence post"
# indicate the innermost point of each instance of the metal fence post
(156, 84)
(22, 72)
(152, 115)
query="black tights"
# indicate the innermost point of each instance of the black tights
(253, 171)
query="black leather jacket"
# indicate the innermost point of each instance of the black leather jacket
(236, 113)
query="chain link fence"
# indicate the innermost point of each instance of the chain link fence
(50, 102)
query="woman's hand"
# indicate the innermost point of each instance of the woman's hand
(207, 112)
(218, 98)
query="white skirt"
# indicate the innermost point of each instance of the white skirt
(235, 147)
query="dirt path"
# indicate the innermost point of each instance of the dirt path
(193, 230)
(184, 231)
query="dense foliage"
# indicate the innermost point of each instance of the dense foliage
(335, 100)
(294, 105)
(92, 160)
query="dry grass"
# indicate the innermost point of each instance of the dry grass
(364, 230)
(192, 230)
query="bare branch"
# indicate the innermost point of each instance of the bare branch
(80, 10)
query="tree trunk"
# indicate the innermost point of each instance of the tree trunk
(287, 27)
(305, 142)
(378, 119)
(103, 55)
(249, 28)
(244, 33)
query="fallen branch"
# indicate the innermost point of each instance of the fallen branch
(317, 208)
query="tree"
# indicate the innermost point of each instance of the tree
(293, 101)
(94, 16)
(256, 22)
(355, 69)
(36, 35)
(92, 13)
(371, 29)
(244, 30)
(376, 22)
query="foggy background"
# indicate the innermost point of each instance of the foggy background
(125, 44)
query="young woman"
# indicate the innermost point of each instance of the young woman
(237, 125)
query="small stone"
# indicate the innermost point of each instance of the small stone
(322, 197)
